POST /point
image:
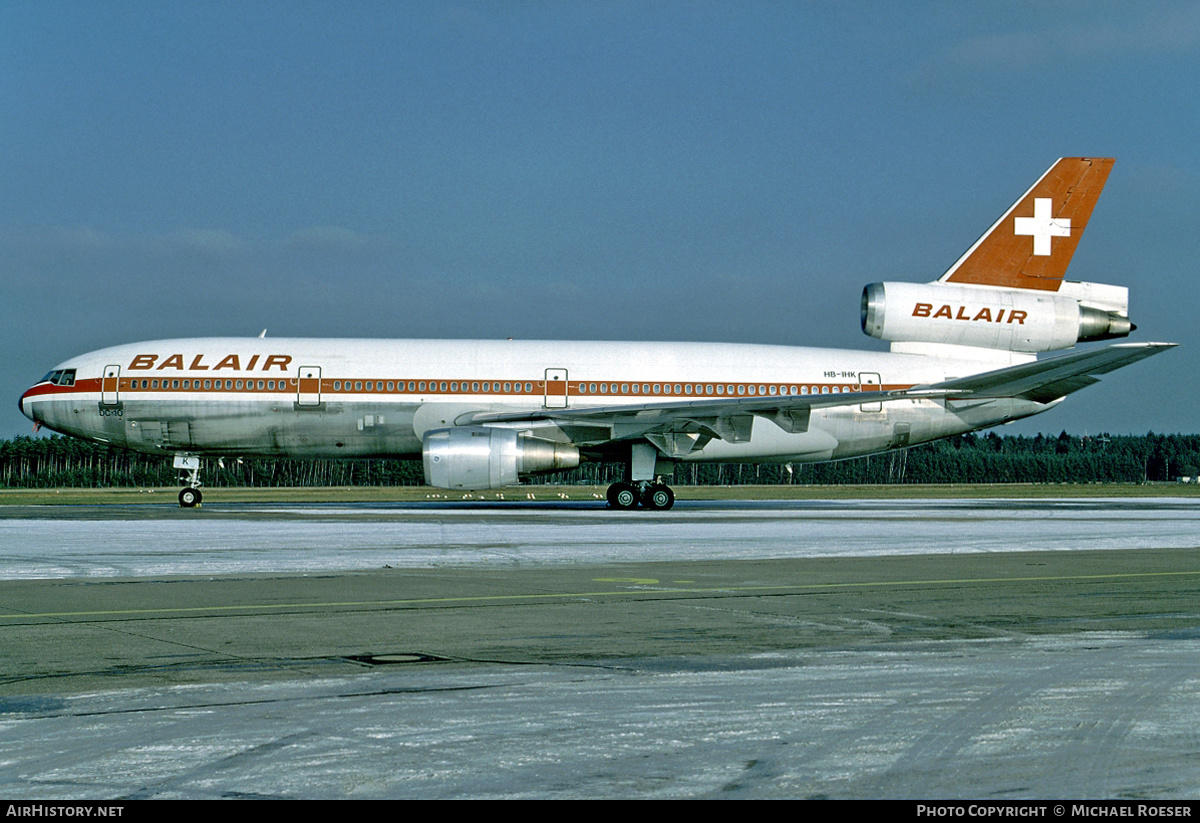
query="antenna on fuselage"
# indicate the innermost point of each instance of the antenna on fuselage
(262, 334)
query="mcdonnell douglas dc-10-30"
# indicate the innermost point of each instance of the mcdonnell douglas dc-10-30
(485, 414)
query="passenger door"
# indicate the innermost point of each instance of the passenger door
(556, 388)
(308, 389)
(110, 386)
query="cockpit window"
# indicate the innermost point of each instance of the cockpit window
(61, 377)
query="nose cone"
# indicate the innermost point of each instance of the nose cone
(21, 405)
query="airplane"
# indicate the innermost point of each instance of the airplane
(486, 414)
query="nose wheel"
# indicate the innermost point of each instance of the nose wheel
(190, 498)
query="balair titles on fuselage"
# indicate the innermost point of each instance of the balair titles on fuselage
(233, 362)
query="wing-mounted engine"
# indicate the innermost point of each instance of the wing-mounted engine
(483, 457)
(1009, 319)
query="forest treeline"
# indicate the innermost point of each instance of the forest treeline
(59, 462)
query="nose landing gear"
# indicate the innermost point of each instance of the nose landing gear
(190, 496)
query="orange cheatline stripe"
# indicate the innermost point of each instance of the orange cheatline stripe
(605, 388)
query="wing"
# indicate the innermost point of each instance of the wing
(1044, 381)
(678, 427)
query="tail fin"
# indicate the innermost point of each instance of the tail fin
(1031, 246)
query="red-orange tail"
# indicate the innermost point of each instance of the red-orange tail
(1031, 246)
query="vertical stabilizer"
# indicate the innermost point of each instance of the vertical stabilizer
(1031, 246)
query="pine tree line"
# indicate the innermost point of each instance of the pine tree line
(59, 462)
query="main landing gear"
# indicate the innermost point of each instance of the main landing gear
(630, 495)
(642, 485)
(190, 496)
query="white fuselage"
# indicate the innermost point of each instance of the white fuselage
(307, 397)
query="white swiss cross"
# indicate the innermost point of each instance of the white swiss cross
(1042, 226)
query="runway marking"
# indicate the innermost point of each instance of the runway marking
(658, 594)
(645, 581)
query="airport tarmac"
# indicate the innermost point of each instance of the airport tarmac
(999, 649)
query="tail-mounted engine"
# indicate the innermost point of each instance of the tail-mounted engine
(489, 458)
(1021, 320)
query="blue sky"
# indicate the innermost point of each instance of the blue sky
(582, 170)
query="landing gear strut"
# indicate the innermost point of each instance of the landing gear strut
(190, 496)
